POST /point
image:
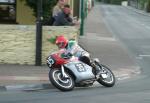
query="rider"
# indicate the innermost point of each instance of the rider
(72, 48)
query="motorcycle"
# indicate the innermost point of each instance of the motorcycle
(67, 73)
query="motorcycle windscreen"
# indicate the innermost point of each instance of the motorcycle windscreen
(81, 70)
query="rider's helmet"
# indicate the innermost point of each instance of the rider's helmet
(61, 42)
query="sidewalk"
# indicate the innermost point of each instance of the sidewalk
(97, 39)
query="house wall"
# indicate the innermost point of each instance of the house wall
(18, 42)
(24, 14)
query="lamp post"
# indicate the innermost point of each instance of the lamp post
(82, 18)
(137, 4)
(38, 34)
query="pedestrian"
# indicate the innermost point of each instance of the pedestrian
(57, 8)
(63, 18)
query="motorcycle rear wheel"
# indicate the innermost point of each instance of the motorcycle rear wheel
(109, 78)
(63, 84)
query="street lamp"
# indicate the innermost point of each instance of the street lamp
(137, 1)
(39, 34)
(82, 18)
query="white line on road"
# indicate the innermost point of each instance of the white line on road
(143, 24)
(99, 38)
(148, 27)
(28, 78)
(144, 55)
(123, 78)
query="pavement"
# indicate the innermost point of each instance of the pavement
(98, 40)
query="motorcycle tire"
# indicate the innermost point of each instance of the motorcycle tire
(63, 84)
(104, 81)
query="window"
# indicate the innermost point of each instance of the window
(7, 11)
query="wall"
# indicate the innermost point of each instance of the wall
(69, 32)
(17, 42)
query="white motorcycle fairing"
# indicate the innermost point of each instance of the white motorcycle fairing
(80, 70)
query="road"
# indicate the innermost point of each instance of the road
(132, 30)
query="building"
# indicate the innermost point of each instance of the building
(17, 12)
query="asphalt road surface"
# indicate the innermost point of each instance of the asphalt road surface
(133, 30)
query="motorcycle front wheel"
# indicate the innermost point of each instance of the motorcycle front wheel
(106, 76)
(62, 83)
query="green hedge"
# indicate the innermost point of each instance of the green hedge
(118, 2)
(47, 7)
(148, 6)
(144, 5)
(141, 4)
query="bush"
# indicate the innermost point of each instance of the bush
(47, 7)
(141, 4)
(148, 6)
(118, 2)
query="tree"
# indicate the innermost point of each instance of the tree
(148, 6)
(118, 2)
(141, 4)
(47, 7)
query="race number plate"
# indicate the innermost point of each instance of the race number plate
(50, 61)
(80, 67)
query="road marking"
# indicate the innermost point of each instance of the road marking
(148, 27)
(23, 78)
(99, 38)
(144, 55)
(138, 57)
(143, 24)
(123, 78)
(29, 78)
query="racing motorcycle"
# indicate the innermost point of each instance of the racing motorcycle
(69, 72)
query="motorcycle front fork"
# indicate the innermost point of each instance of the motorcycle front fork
(64, 75)
(96, 70)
